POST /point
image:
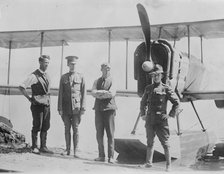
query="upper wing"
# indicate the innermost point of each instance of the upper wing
(171, 31)
(176, 31)
(27, 39)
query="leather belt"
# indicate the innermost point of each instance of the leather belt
(160, 112)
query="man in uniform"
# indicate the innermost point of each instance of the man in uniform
(71, 102)
(153, 108)
(104, 91)
(39, 82)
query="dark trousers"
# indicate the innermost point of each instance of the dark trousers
(41, 122)
(71, 120)
(162, 132)
(104, 120)
(41, 118)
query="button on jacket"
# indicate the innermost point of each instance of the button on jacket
(154, 100)
(72, 93)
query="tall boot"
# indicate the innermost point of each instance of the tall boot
(43, 140)
(34, 139)
(168, 159)
(149, 157)
(68, 143)
(34, 142)
(75, 143)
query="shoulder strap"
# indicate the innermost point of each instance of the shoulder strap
(43, 81)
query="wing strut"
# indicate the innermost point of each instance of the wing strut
(201, 49)
(109, 42)
(62, 55)
(41, 43)
(178, 122)
(9, 63)
(203, 129)
(136, 124)
(126, 84)
(189, 41)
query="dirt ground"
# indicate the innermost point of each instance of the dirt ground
(57, 163)
(32, 163)
(125, 119)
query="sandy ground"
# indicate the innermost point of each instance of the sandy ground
(57, 163)
(31, 163)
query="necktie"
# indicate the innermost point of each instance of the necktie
(103, 82)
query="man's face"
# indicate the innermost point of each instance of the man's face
(105, 71)
(157, 77)
(71, 66)
(44, 64)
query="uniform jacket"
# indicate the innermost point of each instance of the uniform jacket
(155, 98)
(72, 93)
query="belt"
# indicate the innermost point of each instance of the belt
(160, 112)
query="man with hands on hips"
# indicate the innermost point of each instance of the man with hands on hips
(153, 109)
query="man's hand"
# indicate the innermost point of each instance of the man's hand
(33, 101)
(102, 94)
(165, 117)
(82, 112)
(143, 117)
(60, 113)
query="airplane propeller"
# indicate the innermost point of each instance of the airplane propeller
(146, 29)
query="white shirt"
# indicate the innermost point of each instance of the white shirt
(30, 80)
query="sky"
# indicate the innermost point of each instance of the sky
(59, 14)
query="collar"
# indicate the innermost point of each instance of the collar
(103, 78)
(157, 84)
(42, 72)
(71, 73)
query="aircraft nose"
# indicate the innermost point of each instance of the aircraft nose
(147, 66)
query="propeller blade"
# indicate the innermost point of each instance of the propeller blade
(145, 28)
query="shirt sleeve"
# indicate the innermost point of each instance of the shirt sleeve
(174, 100)
(60, 94)
(143, 102)
(94, 89)
(113, 88)
(30, 80)
(83, 91)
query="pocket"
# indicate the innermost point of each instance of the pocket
(77, 100)
(160, 98)
(76, 85)
(66, 82)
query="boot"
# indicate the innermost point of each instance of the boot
(34, 142)
(43, 139)
(168, 159)
(149, 157)
(75, 143)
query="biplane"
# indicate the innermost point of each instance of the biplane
(184, 72)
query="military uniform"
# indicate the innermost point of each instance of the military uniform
(154, 105)
(71, 101)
